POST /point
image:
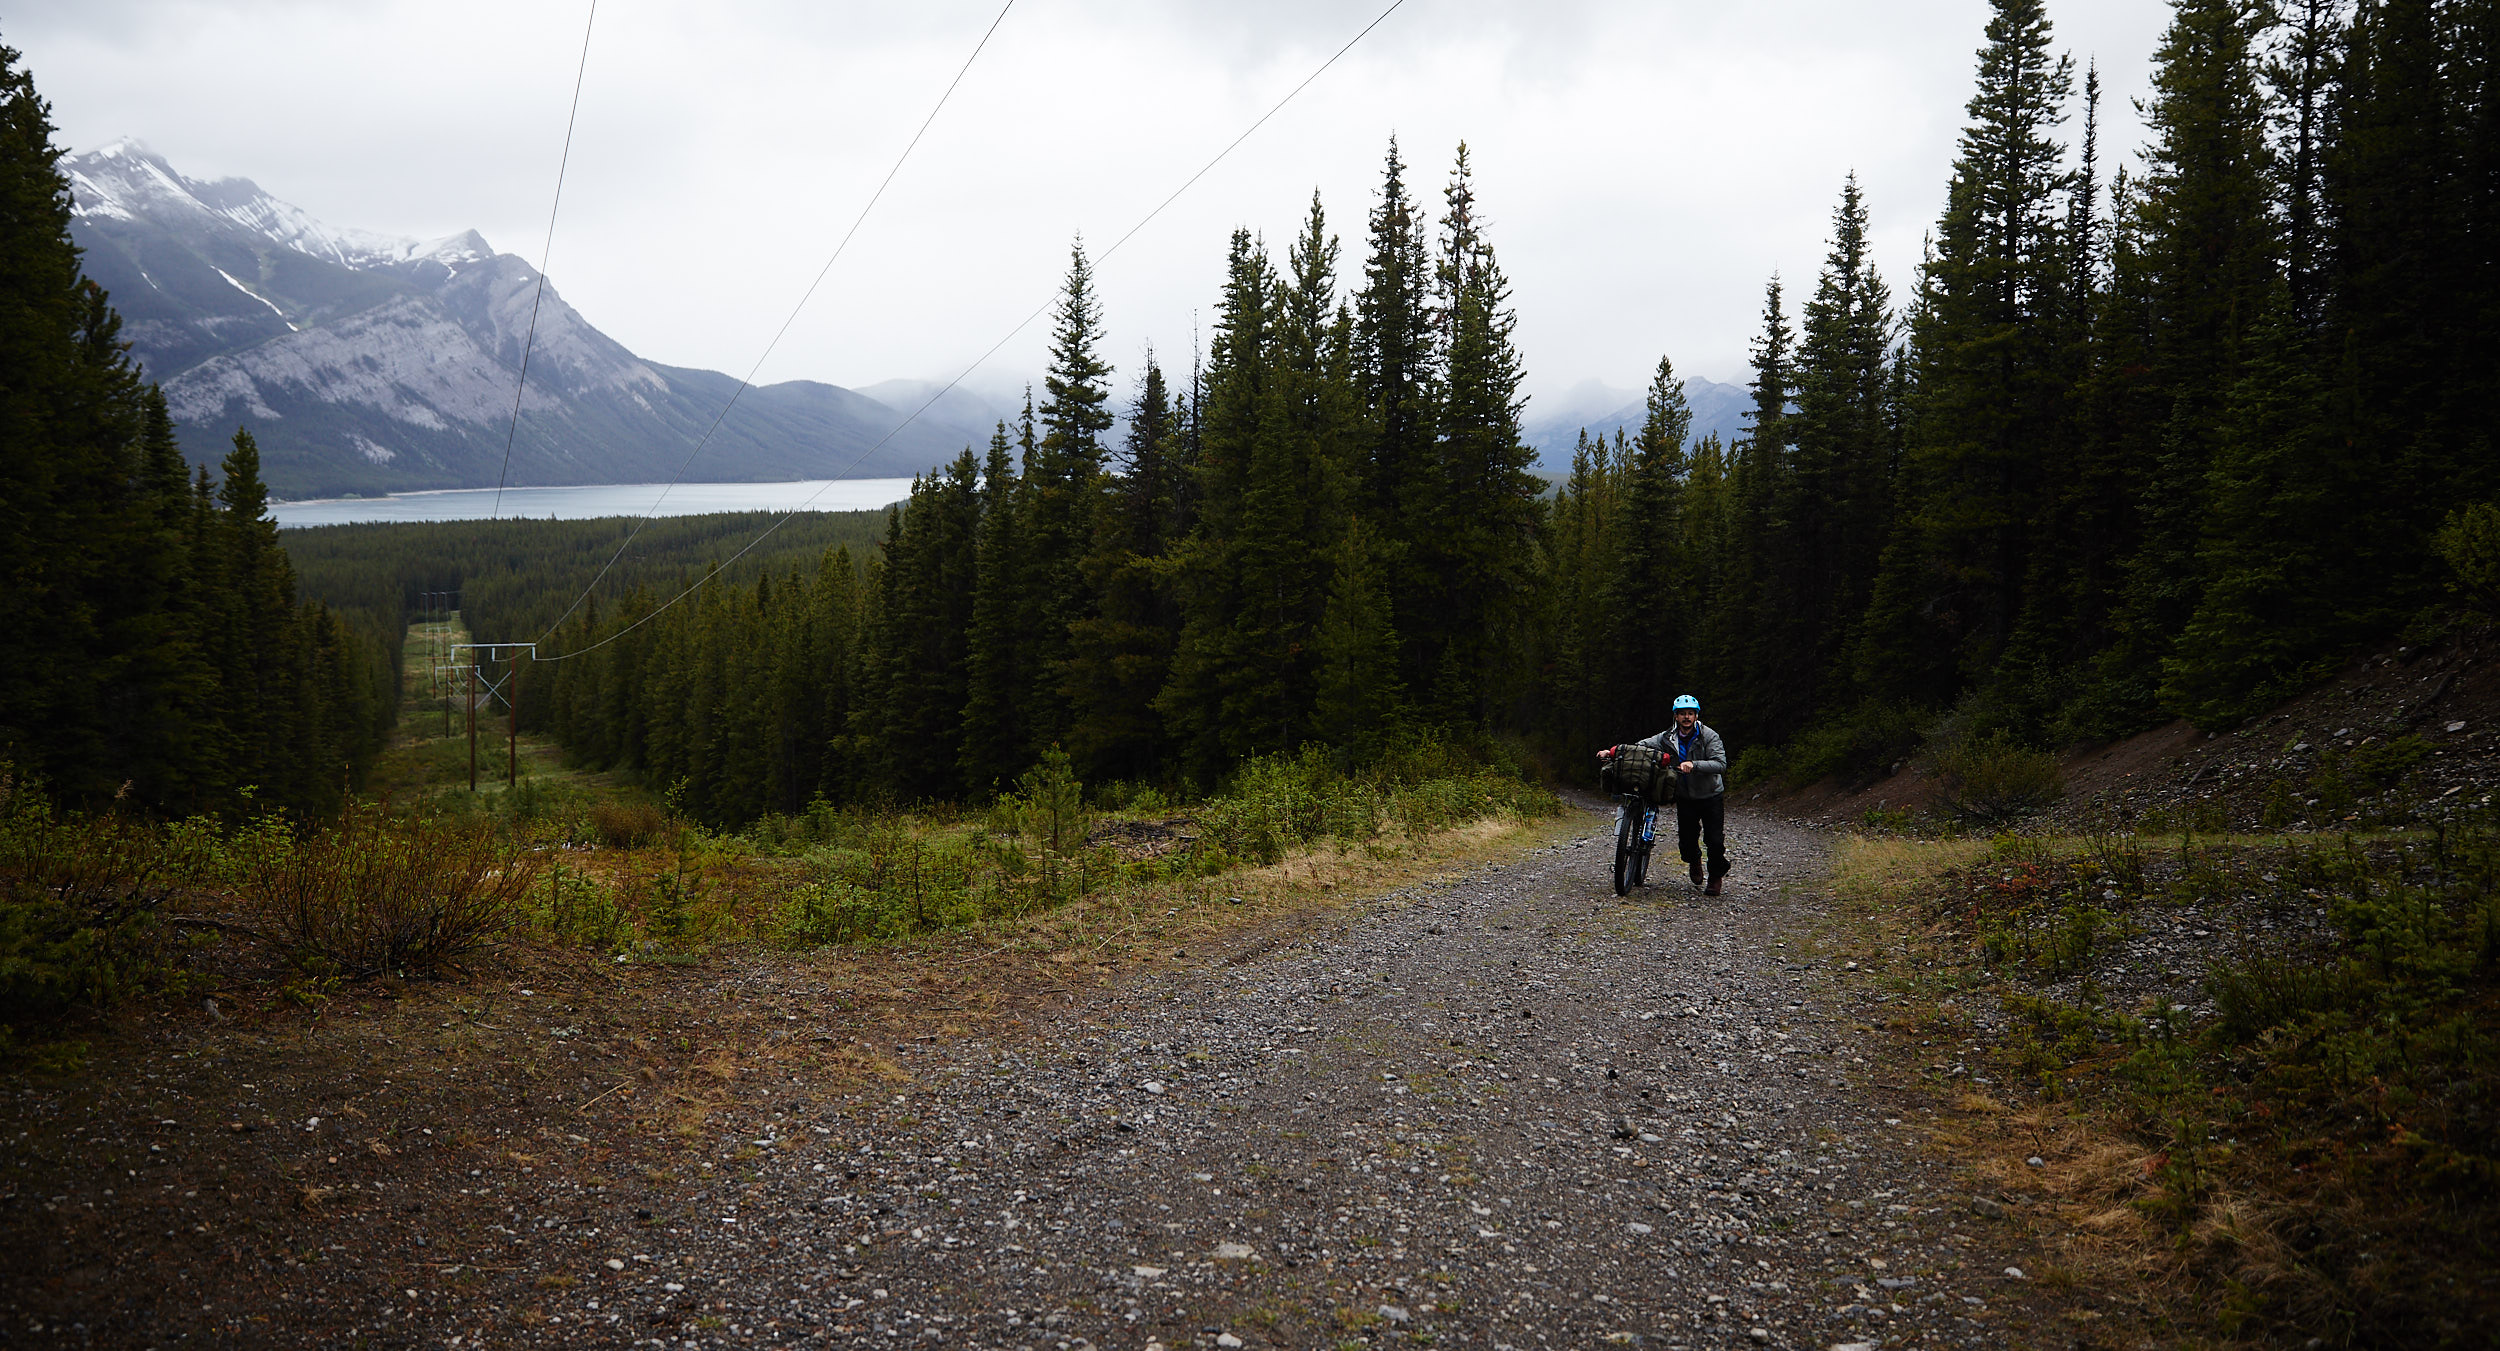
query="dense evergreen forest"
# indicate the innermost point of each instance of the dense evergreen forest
(2135, 446)
(2128, 446)
(151, 642)
(524, 572)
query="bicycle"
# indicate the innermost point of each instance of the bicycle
(1631, 770)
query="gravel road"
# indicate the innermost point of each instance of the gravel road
(1509, 1111)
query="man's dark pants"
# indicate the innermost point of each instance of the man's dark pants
(1699, 820)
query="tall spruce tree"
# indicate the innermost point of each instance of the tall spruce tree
(1747, 637)
(1645, 579)
(1832, 499)
(1482, 530)
(1061, 485)
(992, 749)
(1213, 694)
(1993, 377)
(925, 618)
(2209, 247)
(1396, 365)
(1122, 653)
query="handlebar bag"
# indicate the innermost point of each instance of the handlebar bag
(1634, 769)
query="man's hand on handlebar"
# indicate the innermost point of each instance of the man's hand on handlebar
(1606, 754)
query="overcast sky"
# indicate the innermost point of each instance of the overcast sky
(1644, 164)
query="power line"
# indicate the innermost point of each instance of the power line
(784, 330)
(546, 254)
(966, 373)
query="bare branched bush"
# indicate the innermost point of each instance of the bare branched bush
(371, 895)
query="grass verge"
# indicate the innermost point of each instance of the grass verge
(2244, 1090)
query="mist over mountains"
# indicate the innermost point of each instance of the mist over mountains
(1553, 422)
(367, 363)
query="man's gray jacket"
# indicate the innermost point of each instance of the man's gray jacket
(1709, 759)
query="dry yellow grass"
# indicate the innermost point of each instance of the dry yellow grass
(1888, 868)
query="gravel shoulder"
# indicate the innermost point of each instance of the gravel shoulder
(1503, 1109)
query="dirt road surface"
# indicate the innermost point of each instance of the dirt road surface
(1511, 1111)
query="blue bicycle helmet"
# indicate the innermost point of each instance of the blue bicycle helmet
(1685, 701)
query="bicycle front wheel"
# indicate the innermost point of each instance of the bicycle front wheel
(1627, 848)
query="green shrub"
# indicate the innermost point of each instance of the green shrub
(628, 825)
(825, 909)
(2469, 542)
(80, 898)
(1047, 807)
(1991, 780)
(577, 908)
(1857, 747)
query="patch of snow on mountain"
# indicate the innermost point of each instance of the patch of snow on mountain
(273, 308)
(127, 181)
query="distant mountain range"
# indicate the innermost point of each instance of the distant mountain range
(1554, 421)
(367, 363)
(364, 363)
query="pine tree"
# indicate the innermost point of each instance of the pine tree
(1832, 496)
(2268, 622)
(1993, 375)
(1204, 703)
(1061, 486)
(1643, 596)
(2209, 254)
(1122, 653)
(1481, 544)
(1397, 363)
(993, 742)
(1359, 695)
(1751, 632)
(925, 618)
(2410, 184)
(1585, 671)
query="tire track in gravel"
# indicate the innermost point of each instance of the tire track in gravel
(1512, 1110)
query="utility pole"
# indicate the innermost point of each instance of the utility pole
(508, 689)
(466, 672)
(512, 729)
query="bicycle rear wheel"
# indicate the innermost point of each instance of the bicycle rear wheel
(1627, 848)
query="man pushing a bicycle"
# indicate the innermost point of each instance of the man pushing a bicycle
(1698, 759)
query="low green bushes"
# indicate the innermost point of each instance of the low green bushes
(1275, 804)
(1992, 780)
(2323, 1132)
(81, 899)
(1857, 747)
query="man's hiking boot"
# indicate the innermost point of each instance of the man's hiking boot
(1712, 889)
(1696, 874)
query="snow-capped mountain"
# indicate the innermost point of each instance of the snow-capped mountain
(370, 363)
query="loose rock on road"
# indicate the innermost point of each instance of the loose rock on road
(1508, 1111)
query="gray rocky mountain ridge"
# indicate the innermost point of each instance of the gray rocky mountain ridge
(371, 363)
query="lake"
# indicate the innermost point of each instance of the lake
(587, 501)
